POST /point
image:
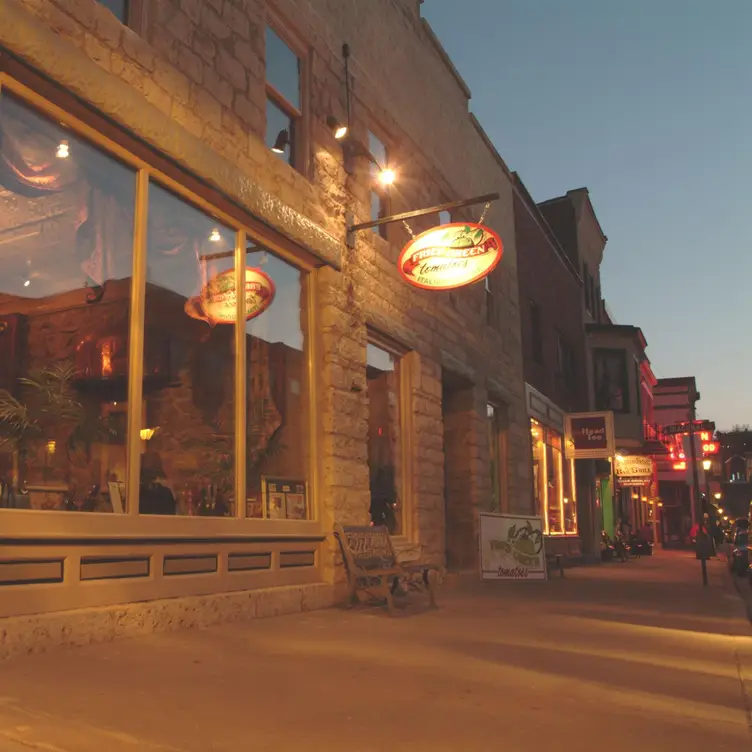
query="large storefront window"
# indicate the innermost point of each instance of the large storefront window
(66, 239)
(277, 395)
(553, 481)
(187, 465)
(73, 228)
(384, 437)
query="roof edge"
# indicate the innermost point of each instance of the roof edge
(444, 55)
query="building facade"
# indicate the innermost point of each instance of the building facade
(554, 357)
(167, 442)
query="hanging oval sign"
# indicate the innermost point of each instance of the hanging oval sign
(450, 256)
(217, 301)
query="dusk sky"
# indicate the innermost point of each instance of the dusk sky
(648, 103)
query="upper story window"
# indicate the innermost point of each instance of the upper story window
(379, 191)
(611, 380)
(130, 12)
(565, 361)
(283, 99)
(119, 8)
(536, 333)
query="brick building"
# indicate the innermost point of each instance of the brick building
(555, 368)
(164, 452)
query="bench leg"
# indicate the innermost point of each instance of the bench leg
(430, 584)
(387, 589)
(352, 587)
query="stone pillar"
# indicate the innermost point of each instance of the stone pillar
(466, 472)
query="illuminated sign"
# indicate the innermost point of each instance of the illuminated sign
(450, 256)
(634, 470)
(711, 447)
(217, 301)
(680, 465)
(590, 435)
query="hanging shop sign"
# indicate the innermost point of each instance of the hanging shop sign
(217, 301)
(590, 435)
(511, 547)
(634, 470)
(450, 256)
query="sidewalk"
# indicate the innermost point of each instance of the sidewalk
(623, 657)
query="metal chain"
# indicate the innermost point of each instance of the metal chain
(485, 210)
(407, 227)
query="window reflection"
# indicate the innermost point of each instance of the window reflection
(282, 68)
(66, 236)
(277, 395)
(188, 420)
(384, 437)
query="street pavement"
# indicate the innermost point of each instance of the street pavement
(614, 658)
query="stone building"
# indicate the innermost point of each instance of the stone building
(177, 454)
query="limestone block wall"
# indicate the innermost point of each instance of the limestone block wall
(191, 83)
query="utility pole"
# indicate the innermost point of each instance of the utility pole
(701, 542)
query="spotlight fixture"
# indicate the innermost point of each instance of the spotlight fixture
(387, 176)
(63, 151)
(282, 142)
(339, 131)
(215, 237)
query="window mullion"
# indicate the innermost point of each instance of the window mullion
(136, 341)
(241, 363)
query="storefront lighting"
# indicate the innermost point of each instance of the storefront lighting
(147, 433)
(725, 519)
(706, 464)
(720, 510)
(717, 495)
(387, 176)
(619, 458)
(339, 131)
(660, 503)
(51, 446)
(281, 143)
(566, 500)
(63, 151)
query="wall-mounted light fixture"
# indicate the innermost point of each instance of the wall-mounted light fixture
(339, 130)
(282, 142)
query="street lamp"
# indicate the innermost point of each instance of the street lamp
(706, 464)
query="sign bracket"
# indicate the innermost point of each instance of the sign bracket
(352, 229)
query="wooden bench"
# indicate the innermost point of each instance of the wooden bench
(372, 566)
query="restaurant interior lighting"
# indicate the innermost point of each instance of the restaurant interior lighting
(63, 150)
(215, 237)
(339, 131)
(282, 142)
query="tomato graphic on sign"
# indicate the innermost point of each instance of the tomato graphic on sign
(450, 256)
(217, 301)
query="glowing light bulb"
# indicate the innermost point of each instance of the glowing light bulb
(27, 282)
(387, 176)
(63, 150)
(215, 237)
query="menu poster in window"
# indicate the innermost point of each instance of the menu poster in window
(285, 499)
(511, 547)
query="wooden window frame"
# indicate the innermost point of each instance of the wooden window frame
(43, 95)
(625, 377)
(300, 138)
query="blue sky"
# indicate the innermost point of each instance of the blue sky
(648, 103)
